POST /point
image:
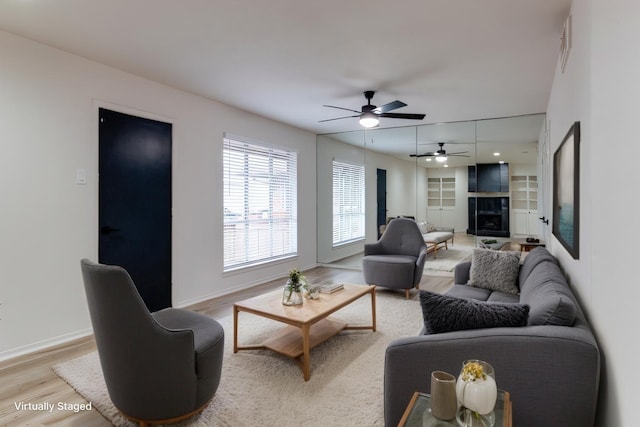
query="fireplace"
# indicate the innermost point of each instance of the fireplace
(490, 215)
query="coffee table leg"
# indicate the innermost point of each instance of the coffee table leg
(373, 309)
(306, 362)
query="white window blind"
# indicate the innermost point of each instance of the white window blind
(348, 203)
(260, 204)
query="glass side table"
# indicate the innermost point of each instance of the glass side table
(418, 412)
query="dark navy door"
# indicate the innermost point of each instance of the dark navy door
(381, 189)
(135, 202)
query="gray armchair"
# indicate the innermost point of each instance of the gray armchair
(159, 367)
(397, 259)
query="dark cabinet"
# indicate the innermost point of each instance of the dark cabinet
(489, 178)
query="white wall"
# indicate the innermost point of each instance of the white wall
(328, 150)
(48, 129)
(600, 89)
(401, 192)
(401, 189)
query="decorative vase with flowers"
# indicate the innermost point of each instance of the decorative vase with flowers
(477, 393)
(292, 293)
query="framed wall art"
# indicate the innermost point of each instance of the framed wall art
(566, 191)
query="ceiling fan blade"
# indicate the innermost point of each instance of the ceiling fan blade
(337, 118)
(402, 116)
(458, 155)
(459, 152)
(340, 108)
(390, 106)
(423, 155)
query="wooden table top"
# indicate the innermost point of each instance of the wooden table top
(270, 304)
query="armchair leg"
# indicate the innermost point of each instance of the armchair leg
(406, 293)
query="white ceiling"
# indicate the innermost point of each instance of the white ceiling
(283, 59)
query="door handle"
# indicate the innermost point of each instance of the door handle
(108, 230)
(543, 219)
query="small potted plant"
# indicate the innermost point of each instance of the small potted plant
(292, 294)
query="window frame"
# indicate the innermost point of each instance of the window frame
(344, 237)
(264, 206)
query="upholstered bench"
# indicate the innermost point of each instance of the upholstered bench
(436, 239)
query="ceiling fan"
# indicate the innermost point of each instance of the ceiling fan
(440, 155)
(370, 114)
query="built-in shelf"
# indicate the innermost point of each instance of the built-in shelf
(441, 196)
(524, 204)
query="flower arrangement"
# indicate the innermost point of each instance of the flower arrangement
(292, 294)
(296, 280)
(473, 371)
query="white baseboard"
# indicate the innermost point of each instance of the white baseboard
(223, 292)
(44, 344)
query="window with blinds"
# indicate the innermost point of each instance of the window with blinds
(260, 204)
(348, 203)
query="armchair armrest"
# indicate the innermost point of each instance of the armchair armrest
(420, 265)
(373, 248)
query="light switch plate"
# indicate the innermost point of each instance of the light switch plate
(81, 176)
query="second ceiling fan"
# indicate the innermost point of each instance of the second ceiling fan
(441, 154)
(370, 114)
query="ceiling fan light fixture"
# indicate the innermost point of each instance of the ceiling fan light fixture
(369, 120)
(441, 158)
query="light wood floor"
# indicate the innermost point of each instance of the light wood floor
(30, 378)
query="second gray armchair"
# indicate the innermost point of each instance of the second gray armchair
(397, 259)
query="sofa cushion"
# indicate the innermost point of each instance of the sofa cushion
(464, 291)
(423, 227)
(497, 296)
(547, 293)
(533, 258)
(495, 270)
(444, 313)
(437, 236)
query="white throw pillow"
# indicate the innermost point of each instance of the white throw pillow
(495, 270)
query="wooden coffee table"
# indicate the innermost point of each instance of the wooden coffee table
(527, 246)
(309, 324)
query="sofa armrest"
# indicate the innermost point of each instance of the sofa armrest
(461, 273)
(551, 373)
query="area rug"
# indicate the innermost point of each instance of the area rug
(266, 389)
(447, 259)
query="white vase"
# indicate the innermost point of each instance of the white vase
(477, 396)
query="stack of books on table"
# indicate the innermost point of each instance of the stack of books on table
(329, 288)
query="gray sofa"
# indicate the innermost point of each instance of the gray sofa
(551, 371)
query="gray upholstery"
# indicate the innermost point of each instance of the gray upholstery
(156, 366)
(552, 372)
(397, 259)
